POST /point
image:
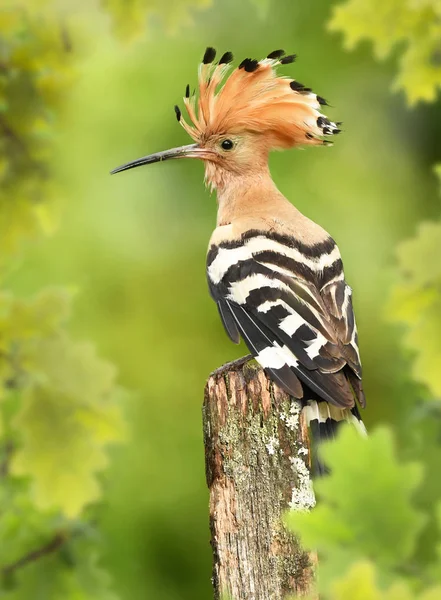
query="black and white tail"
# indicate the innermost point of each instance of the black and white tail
(324, 421)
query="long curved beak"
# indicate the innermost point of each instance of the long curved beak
(190, 151)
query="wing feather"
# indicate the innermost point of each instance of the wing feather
(259, 342)
(228, 321)
(298, 322)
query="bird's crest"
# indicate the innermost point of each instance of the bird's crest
(255, 98)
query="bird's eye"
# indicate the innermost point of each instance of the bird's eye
(227, 144)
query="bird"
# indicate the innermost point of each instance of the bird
(276, 276)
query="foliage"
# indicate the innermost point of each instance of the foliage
(133, 245)
(361, 584)
(58, 402)
(416, 302)
(59, 413)
(412, 25)
(35, 75)
(370, 522)
(375, 528)
(366, 510)
(130, 18)
(388, 528)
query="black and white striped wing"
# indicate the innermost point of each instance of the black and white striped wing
(337, 298)
(267, 290)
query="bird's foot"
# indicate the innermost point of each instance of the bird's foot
(231, 366)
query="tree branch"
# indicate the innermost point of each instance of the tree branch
(51, 547)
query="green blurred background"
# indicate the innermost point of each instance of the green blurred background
(132, 248)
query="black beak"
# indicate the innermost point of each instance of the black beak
(190, 151)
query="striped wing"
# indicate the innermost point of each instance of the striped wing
(293, 308)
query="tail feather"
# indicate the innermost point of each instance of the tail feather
(324, 420)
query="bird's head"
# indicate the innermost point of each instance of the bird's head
(237, 120)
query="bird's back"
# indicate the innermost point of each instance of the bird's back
(277, 278)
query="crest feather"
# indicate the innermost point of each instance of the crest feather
(255, 98)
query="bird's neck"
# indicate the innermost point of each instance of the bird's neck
(245, 195)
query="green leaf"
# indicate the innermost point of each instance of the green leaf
(364, 506)
(416, 256)
(36, 73)
(413, 25)
(420, 67)
(22, 325)
(59, 409)
(383, 23)
(38, 317)
(416, 302)
(66, 420)
(360, 583)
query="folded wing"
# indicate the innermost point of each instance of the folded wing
(292, 307)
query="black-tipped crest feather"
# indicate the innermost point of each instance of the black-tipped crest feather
(250, 65)
(209, 56)
(226, 58)
(296, 86)
(276, 54)
(254, 92)
(286, 60)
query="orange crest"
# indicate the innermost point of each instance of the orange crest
(254, 98)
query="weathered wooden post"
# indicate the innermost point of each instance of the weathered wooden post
(257, 465)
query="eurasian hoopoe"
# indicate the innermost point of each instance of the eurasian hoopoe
(276, 276)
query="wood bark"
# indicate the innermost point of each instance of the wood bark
(258, 466)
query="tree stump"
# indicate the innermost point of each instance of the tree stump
(258, 466)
